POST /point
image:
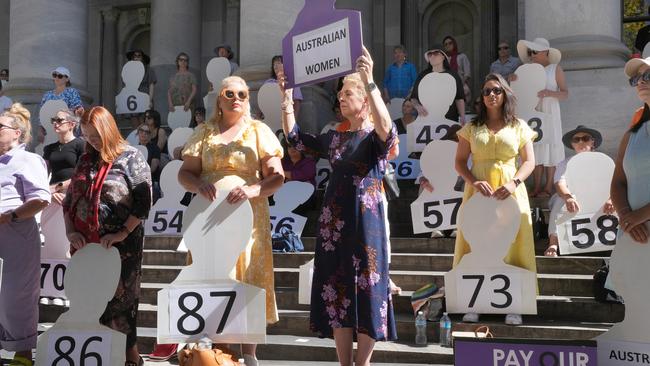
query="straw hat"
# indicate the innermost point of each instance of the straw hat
(539, 44)
(435, 47)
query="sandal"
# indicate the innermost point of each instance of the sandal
(551, 250)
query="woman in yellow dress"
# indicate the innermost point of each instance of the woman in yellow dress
(496, 140)
(242, 153)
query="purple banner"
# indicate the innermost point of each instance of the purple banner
(323, 44)
(524, 352)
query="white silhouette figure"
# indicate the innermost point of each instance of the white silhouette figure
(291, 195)
(217, 232)
(269, 101)
(178, 138)
(437, 164)
(490, 226)
(531, 79)
(179, 117)
(55, 253)
(437, 91)
(588, 175)
(218, 69)
(395, 108)
(45, 114)
(629, 272)
(90, 282)
(167, 214)
(143, 150)
(130, 99)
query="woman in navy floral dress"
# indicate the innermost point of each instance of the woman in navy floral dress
(350, 290)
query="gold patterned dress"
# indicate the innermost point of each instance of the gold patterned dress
(242, 158)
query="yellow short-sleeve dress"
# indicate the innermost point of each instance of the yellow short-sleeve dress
(495, 160)
(242, 158)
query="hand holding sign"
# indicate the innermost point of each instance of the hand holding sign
(130, 99)
(437, 210)
(206, 299)
(323, 43)
(437, 91)
(77, 337)
(482, 282)
(531, 78)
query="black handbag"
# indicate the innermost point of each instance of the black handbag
(286, 241)
(390, 183)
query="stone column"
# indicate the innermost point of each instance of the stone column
(110, 74)
(588, 33)
(40, 41)
(488, 45)
(411, 29)
(175, 28)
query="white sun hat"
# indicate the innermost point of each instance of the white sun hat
(539, 44)
(632, 66)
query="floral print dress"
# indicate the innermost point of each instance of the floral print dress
(350, 287)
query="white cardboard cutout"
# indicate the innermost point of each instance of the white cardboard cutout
(167, 214)
(132, 138)
(47, 111)
(218, 69)
(436, 93)
(588, 176)
(629, 271)
(305, 277)
(55, 253)
(490, 240)
(646, 51)
(405, 167)
(178, 138)
(87, 303)
(395, 108)
(269, 100)
(437, 210)
(143, 150)
(291, 195)
(179, 118)
(215, 232)
(130, 99)
(531, 79)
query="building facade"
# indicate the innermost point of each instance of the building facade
(91, 38)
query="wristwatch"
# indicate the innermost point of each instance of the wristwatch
(371, 86)
(517, 182)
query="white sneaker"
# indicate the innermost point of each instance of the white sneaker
(44, 301)
(513, 319)
(250, 360)
(470, 318)
(58, 301)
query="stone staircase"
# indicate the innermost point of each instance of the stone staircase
(566, 308)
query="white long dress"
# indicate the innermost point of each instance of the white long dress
(551, 152)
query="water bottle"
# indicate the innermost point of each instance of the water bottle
(205, 342)
(420, 329)
(445, 331)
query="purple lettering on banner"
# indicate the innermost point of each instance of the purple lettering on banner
(323, 44)
(501, 352)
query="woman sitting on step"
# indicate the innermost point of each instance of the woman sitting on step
(581, 139)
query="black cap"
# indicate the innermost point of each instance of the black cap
(598, 138)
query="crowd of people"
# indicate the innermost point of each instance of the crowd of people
(106, 187)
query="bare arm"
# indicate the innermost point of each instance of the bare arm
(162, 138)
(26, 210)
(189, 176)
(272, 180)
(460, 105)
(562, 93)
(525, 169)
(618, 188)
(463, 151)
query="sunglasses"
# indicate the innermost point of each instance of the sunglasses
(532, 52)
(503, 48)
(488, 91)
(57, 121)
(230, 94)
(183, 59)
(634, 80)
(56, 75)
(3, 127)
(585, 138)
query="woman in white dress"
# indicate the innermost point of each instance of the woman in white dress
(550, 151)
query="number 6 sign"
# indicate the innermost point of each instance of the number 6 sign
(130, 99)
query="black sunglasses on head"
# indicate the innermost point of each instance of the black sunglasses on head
(56, 75)
(634, 80)
(57, 121)
(585, 138)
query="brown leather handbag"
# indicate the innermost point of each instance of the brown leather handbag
(205, 357)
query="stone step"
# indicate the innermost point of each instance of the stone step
(549, 284)
(443, 262)
(165, 257)
(565, 308)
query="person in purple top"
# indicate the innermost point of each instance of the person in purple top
(25, 192)
(63, 90)
(400, 76)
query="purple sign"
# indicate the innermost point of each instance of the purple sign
(524, 352)
(323, 44)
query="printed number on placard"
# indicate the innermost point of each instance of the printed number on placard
(79, 349)
(535, 124)
(501, 289)
(52, 277)
(403, 169)
(425, 135)
(323, 177)
(167, 221)
(585, 232)
(283, 222)
(433, 212)
(131, 103)
(205, 311)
